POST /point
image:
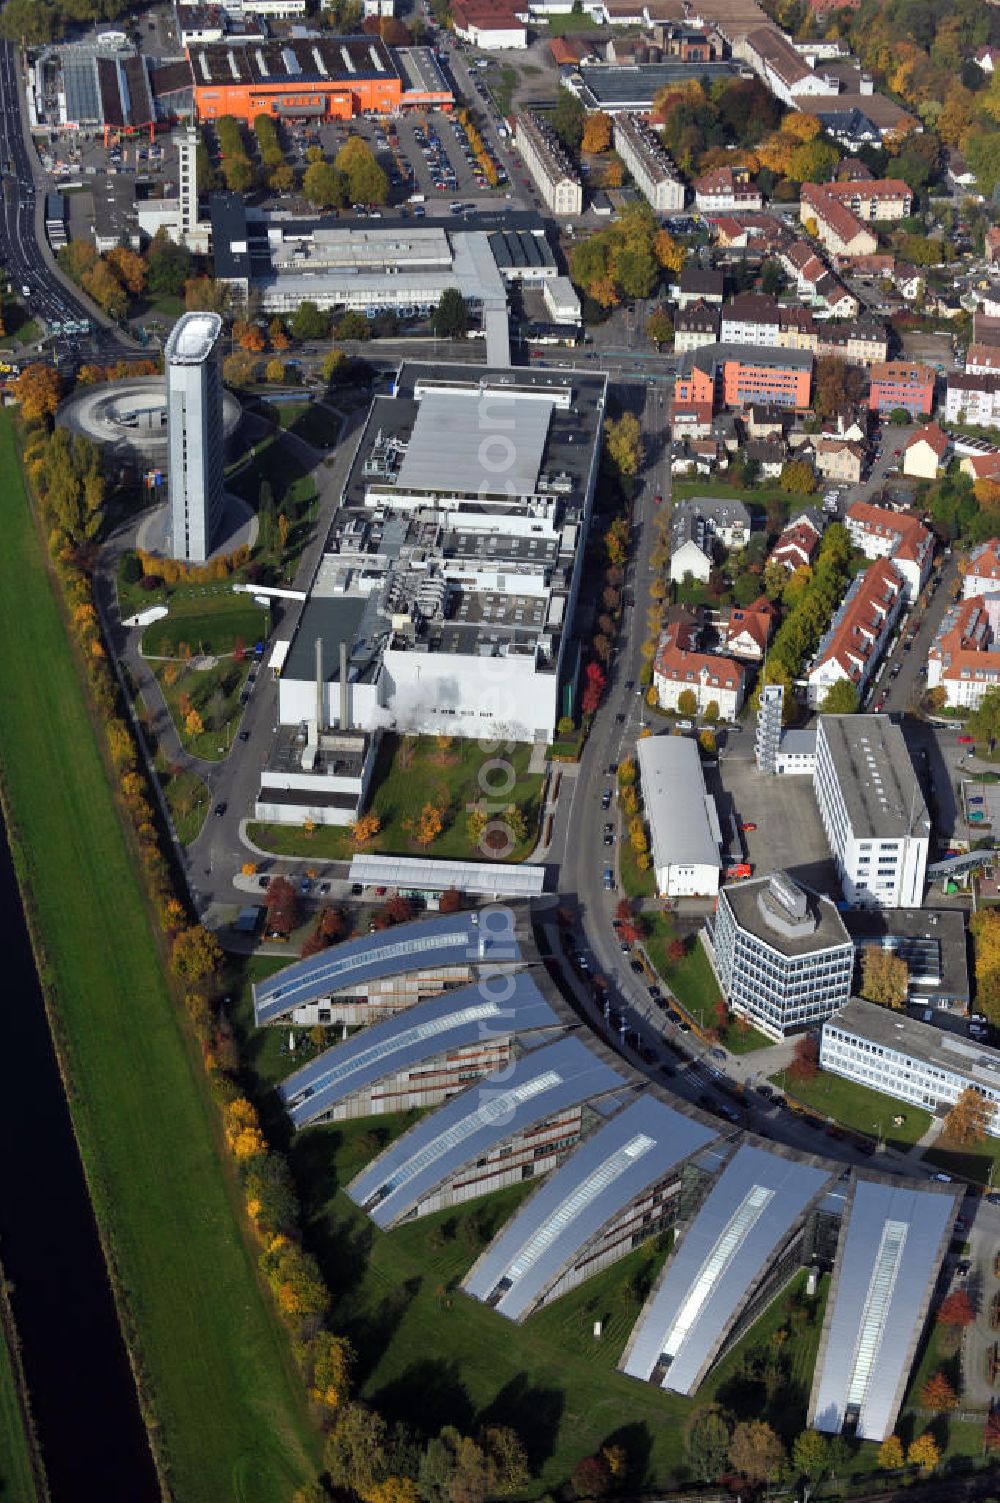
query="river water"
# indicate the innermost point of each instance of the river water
(91, 1433)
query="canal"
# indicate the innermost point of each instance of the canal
(86, 1411)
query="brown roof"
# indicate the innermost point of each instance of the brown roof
(171, 78)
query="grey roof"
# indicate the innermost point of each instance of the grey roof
(876, 777)
(492, 1009)
(711, 356)
(673, 790)
(636, 85)
(908, 1038)
(541, 1083)
(458, 436)
(610, 1169)
(333, 619)
(887, 1263)
(931, 941)
(491, 879)
(757, 908)
(459, 938)
(728, 1247)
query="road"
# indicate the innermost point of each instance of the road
(31, 267)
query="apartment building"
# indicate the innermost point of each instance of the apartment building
(782, 955)
(863, 342)
(898, 535)
(679, 666)
(751, 318)
(964, 658)
(698, 285)
(973, 396)
(552, 172)
(726, 188)
(732, 375)
(836, 227)
(875, 199)
(650, 164)
(859, 632)
(695, 326)
(981, 574)
(912, 1061)
(872, 809)
(902, 384)
(797, 545)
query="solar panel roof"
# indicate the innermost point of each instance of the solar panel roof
(469, 938)
(739, 1229)
(611, 1168)
(887, 1262)
(547, 1080)
(493, 1008)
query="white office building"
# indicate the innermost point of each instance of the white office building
(194, 434)
(912, 1061)
(683, 821)
(782, 955)
(872, 810)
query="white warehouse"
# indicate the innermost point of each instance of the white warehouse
(683, 822)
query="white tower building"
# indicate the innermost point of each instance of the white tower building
(194, 432)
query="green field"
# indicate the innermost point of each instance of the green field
(446, 776)
(291, 483)
(17, 1479)
(635, 884)
(311, 421)
(187, 800)
(206, 624)
(980, 1164)
(859, 1107)
(230, 1417)
(215, 694)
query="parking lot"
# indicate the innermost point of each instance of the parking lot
(981, 807)
(789, 834)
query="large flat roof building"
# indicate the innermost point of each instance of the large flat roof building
(888, 1261)
(453, 566)
(912, 1061)
(620, 1186)
(872, 810)
(194, 435)
(683, 821)
(735, 1253)
(505, 1129)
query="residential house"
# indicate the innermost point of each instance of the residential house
(796, 329)
(796, 546)
(837, 228)
(713, 680)
(751, 318)
(859, 632)
(981, 571)
(974, 398)
(748, 629)
(698, 286)
(839, 459)
(726, 188)
(905, 384)
(695, 326)
(769, 455)
(925, 452)
(901, 536)
(691, 558)
(981, 466)
(908, 281)
(766, 422)
(964, 658)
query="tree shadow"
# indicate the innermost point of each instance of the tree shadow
(535, 1413)
(743, 1396)
(371, 1329)
(637, 1443)
(427, 1396)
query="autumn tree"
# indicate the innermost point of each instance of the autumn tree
(128, 267)
(196, 954)
(938, 1394)
(596, 132)
(277, 335)
(591, 1477)
(756, 1452)
(798, 478)
(450, 900)
(365, 827)
(669, 252)
(659, 327)
(811, 1455)
(885, 977)
(956, 1310)
(924, 1452)
(890, 1454)
(428, 826)
(282, 905)
(970, 1118)
(275, 371)
(327, 1361)
(805, 1060)
(687, 702)
(593, 688)
(37, 390)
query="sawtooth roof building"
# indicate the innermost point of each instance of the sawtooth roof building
(421, 1057)
(888, 1260)
(731, 1259)
(620, 1186)
(502, 1131)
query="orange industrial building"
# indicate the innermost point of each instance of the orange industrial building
(731, 375)
(324, 78)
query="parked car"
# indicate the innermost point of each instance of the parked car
(966, 740)
(606, 799)
(748, 826)
(609, 879)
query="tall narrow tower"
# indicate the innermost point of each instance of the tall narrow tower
(194, 433)
(772, 699)
(186, 141)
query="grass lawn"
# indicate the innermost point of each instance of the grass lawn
(167, 303)
(971, 1163)
(757, 495)
(291, 482)
(311, 421)
(187, 800)
(448, 777)
(567, 25)
(694, 984)
(20, 328)
(635, 883)
(215, 694)
(207, 624)
(859, 1107)
(231, 1419)
(17, 1479)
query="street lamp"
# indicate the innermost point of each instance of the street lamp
(878, 1141)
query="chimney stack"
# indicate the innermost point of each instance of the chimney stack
(343, 686)
(320, 716)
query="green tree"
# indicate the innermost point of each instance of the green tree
(567, 119)
(706, 1441)
(324, 187)
(356, 1452)
(168, 266)
(811, 1455)
(309, 322)
(756, 1451)
(659, 327)
(798, 478)
(840, 699)
(366, 182)
(623, 438)
(451, 316)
